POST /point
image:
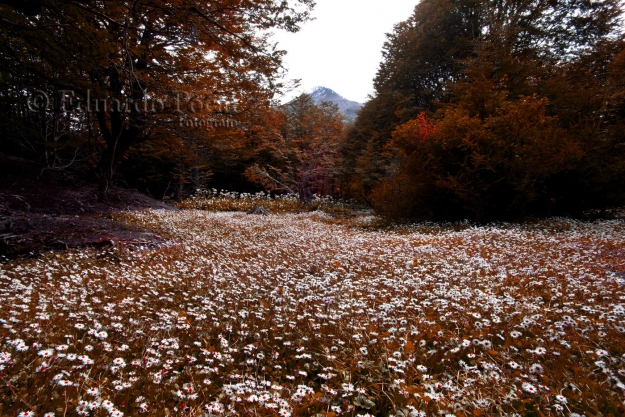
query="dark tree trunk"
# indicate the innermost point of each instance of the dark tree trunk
(119, 140)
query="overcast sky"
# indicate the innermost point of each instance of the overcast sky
(341, 49)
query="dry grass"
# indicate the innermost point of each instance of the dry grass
(296, 315)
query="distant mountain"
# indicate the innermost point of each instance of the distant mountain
(347, 107)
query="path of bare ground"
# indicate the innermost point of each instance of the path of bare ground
(42, 211)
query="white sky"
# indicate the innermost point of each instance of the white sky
(342, 48)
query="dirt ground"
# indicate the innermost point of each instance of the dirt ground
(42, 210)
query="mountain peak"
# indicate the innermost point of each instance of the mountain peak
(322, 90)
(347, 107)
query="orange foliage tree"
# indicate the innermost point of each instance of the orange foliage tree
(301, 156)
(532, 126)
(141, 70)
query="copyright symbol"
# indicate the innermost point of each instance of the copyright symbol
(38, 101)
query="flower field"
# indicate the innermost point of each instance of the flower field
(305, 315)
(222, 200)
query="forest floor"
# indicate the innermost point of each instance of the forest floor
(311, 314)
(41, 210)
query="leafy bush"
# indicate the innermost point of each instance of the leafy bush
(515, 161)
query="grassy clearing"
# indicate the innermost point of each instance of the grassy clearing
(301, 315)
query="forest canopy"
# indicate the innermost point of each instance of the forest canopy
(482, 109)
(495, 109)
(178, 82)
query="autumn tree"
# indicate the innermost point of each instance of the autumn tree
(301, 155)
(420, 57)
(146, 70)
(527, 127)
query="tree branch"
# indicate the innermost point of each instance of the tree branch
(225, 29)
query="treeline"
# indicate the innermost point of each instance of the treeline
(161, 96)
(482, 109)
(495, 110)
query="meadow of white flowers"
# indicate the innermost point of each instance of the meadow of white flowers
(304, 315)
